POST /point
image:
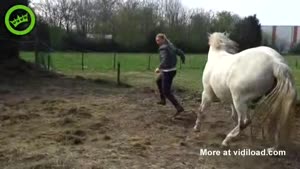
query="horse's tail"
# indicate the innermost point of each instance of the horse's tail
(279, 105)
(284, 104)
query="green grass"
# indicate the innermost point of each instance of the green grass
(135, 69)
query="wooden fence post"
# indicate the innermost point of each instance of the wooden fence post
(36, 49)
(114, 61)
(180, 64)
(149, 62)
(82, 61)
(49, 60)
(119, 73)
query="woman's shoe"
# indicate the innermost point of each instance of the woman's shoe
(162, 102)
(179, 110)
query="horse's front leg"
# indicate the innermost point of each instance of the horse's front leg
(205, 102)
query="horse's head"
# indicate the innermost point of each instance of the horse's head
(221, 41)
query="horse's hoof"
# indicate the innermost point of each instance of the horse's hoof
(224, 144)
(245, 124)
(196, 129)
(272, 149)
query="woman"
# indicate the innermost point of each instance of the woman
(167, 70)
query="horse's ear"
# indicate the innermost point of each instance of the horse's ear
(226, 34)
(208, 34)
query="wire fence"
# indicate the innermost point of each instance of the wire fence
(90, 61)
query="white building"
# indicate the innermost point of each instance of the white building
(283, 37)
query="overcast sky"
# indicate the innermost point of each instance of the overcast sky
(269, 12)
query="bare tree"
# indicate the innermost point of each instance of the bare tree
(49, 10)
(133, 23)
(104, 11)
(66, 12)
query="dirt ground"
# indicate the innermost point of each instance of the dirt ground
(66, 123)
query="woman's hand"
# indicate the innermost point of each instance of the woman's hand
(157, 70)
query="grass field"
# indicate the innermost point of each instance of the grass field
(135, 68)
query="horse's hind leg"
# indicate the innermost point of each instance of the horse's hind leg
(241, 109)
(205, 102)
(234, 114)
(246, 120)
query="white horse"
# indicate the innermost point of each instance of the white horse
(257, 76)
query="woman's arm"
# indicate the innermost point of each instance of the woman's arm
(180, 53)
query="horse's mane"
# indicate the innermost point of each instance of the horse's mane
(221, 41)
